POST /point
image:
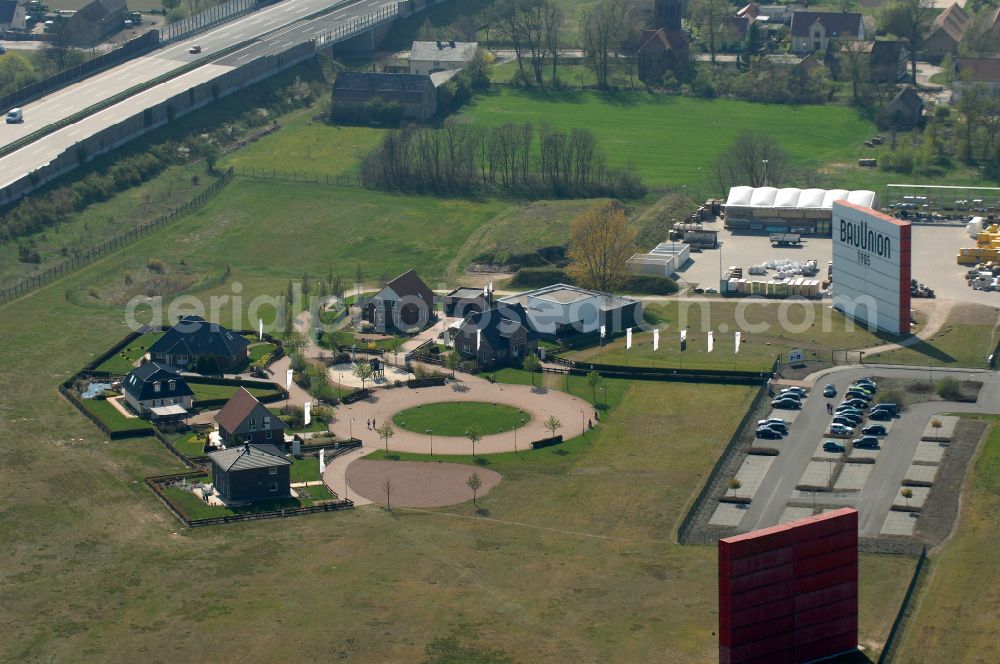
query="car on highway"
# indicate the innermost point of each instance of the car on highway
(768, 433)
(15, 115)
(833, 446)
(865, 443)
(880, 415)
(875, 430)
(830, 391)
(195, 49)
(786, 404)
(841, 430)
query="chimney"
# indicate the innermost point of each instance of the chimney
(246, 447)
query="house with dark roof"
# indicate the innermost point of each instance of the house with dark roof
(95, 21)
(12, 16)
(157, 392)
(972, 71)
(463, 301)
(886, 61)
(904, 112)
(354, 92)
(813, 31)
(946, 32)
(495, 336)
(193, 340)
(405, 304)
(244, 419)
(661, 51)
(562, 310)
(249, 472)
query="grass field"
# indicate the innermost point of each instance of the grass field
(454, 419)
(968, 337)
(955, 619)
(206, 391)
(112, 418)
(121, 363)
(758, 350)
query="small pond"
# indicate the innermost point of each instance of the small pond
(95, 389)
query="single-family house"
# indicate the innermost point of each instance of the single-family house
(12, 16)
(972, 71)
(354, 92)
(946, 32)
(499, 335)
(405, 304)
(95, 21)
(662, 51)
(427, 57)
(904, 112)
(563, 310)
(813, 31)
(463, 301)
(250, 472)
(157, 392)
(244, 419)
(197, 344)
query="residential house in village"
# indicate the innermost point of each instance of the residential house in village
(193, 340)
(405, 304)
(251, 472)
(813, 31)
(244, 419)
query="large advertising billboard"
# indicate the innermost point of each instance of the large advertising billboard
(871, 267)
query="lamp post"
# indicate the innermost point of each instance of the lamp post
(431, 433)
(765, 171)
(350, 425)
(515, 434)
(583, 425)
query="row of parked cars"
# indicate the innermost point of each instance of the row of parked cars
(775, 428)
(850, 415)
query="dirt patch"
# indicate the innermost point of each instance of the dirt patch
(909, 391)
(418, 483)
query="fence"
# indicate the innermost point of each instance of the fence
(357, 25)
(72, 264)
(314, 177)
(667, 373)
(130, 49)
(895, 638)
(684, 531)
(202, 21)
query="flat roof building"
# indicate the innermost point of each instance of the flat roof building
(562, 309)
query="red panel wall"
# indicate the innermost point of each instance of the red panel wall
(789, 593)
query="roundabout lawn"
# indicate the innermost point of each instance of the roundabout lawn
(455, 418)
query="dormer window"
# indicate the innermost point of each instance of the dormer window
(173, 385)
(156, 386)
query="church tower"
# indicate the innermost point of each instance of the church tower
(667, 14)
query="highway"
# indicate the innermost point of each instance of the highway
(883, 485)
(75, 98)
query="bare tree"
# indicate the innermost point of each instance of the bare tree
(601, 241)
(908, 20)
(751, 159)
(531, 365)
(853, 58)
(474, 483)
(707, 16)
(387, 486)
(605, 26)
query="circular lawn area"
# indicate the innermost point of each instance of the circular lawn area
(454, 418)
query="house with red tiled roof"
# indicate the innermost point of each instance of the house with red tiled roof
(813, 31)
(244, 419)
(661, 51)
(946, 32)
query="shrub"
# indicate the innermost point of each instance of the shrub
(156, 265)
(949, 388)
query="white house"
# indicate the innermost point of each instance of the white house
(12, 16)
(157, 392)
(813, 31)
(429, 57)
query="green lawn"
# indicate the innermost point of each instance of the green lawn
(260, 351)
(955, 618)
(112, 418)
(813, 328)
(967, 339)
(672, 140)
(305, 469)
(455, 418)
(191, 444)
(121, 363)
(206, 391)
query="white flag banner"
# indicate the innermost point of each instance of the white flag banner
(711, 342)
(322, 460)
(260, 329)
(604, 331)
(684, 335)
(628, 338)
(307, 413)
(541, 352)
(656, 340)
(479, 338)
(288, 379)
(737, 342)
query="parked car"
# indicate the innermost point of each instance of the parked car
(833, 446)
(830, 391)
(854, 418)
(875, 430)
(862, 387)
(865, 443)
(794, 390)
(849, 409)
(768, 434)
(857, 403)
(771, 420)
(841, 430)
(892, 408)
(867, 381)
(775, 426)
(880, 415)
(864, 396)
(845, 421)
(786, 404)
(195, 49)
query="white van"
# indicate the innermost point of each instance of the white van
(15, 115)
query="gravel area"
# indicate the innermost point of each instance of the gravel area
(418, 483)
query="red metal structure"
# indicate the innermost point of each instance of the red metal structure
(789, 594)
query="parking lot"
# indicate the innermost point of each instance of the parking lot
(933, 259)
(804, 478)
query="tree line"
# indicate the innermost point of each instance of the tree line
(510, 159)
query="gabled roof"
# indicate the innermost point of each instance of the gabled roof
(444, 51)
(740, 25)
(662, 39)
(750, 11)
(498, 324)
(953, 21)
(885, 53)
(192, 335)
(374, 82)
(7, 10)
(837, 24)
(141, 383)
(907, 98)
(99, 10)
(978, 70)
(237, 409)
(247, 456)
(406, 284)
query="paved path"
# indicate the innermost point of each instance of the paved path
(538, 402)
(335, 476)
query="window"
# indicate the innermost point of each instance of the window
(273, 470)
(173, 385)
(267, 422)
(253, 424)
(268, 435)
(156, 386)
(274, 487)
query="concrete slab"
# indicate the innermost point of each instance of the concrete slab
(899, 523)
(751, 474)
(861, 453)
(917, 473)
(853, 476)
(817, 473)
(930, 452)
(793, 513)
(918, 498)
(943, 433)
(728, 514)
(786, 415)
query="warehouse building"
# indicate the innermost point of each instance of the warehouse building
(563, 310)
(789, 210)
(662, 261)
